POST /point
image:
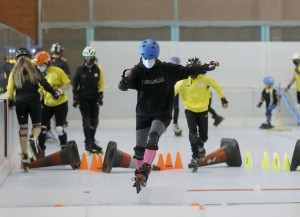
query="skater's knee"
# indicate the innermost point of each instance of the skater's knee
(139, 153)
(152, 141)
(95, 123)
(203, 139)
(87, 123)
(60, 130)
(193, 137)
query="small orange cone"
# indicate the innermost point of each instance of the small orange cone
(169, 164)
(161, 162)
(94, 163)
(99, 164)
(178, 162)
(83, 163)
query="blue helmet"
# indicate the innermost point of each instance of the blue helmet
(175, 60)
(149, 49)
(268, 80)
(34, 50)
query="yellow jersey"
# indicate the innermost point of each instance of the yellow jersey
(56, 78)
(195, 93)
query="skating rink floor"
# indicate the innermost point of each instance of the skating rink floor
(217, 190)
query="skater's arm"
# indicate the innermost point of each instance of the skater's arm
(290, 84)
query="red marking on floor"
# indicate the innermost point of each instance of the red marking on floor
(242, 189)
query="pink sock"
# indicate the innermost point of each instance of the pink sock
(149, 156)
(138, 163)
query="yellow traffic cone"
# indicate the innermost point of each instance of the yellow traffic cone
(286, 163)
(248, 161)
(276, 163)
(265, 163)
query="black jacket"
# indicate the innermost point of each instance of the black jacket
(86, 82)
(155, 86)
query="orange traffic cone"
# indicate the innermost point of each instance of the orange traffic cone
(99, 164)
(83, 163)
(169, 164)
(94, 163)
(160, 162)
(178, 162)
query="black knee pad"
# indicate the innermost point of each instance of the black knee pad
(87, 123)
(193, 137)
(152, 141)
(139, 153)
(95, 123)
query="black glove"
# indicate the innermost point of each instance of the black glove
(259, 104)
(55, 96)
(11, 104)
(75, 101)
(100, 99)
(224, 100)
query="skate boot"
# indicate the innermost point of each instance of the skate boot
(141, 177)
(25, 162)
(133, 179)
(177, 130)
(34, 148)
(269, 126)
(266, 126)
(97, 149)
(202, 153)
(194, 164)
(218, 120)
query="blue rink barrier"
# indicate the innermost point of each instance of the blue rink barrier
(289, 105)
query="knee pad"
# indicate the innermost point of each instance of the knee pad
(193, 137)
(86, 123)
(269, 112)
(152, 141)
(23, 130)
(60, 130)
(203, 140)
(95, 123)
(139, 153)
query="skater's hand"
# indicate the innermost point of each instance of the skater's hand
(76, 101)
(128, 72)
(224, 102)
(214, 63)
(11, 104)
(100, 99)
(259, 104)
(287, 88)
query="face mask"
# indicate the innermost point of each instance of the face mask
(90, 61)
(42, 68)
(148, 63)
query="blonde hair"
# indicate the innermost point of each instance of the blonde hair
(22, 65)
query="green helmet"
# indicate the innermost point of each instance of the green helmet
(89, 52)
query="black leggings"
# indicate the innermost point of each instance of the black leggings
(198, 129)
(176, 109)
(31, 107)
(90, 118)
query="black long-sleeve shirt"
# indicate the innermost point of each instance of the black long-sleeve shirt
(155, 86)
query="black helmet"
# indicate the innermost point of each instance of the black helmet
(193, 61)
(23, 52)
(56, 48)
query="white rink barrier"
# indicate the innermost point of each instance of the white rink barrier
(91, 197)
(105, 211)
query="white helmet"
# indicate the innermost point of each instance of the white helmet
(296, 56)
(89, 52)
